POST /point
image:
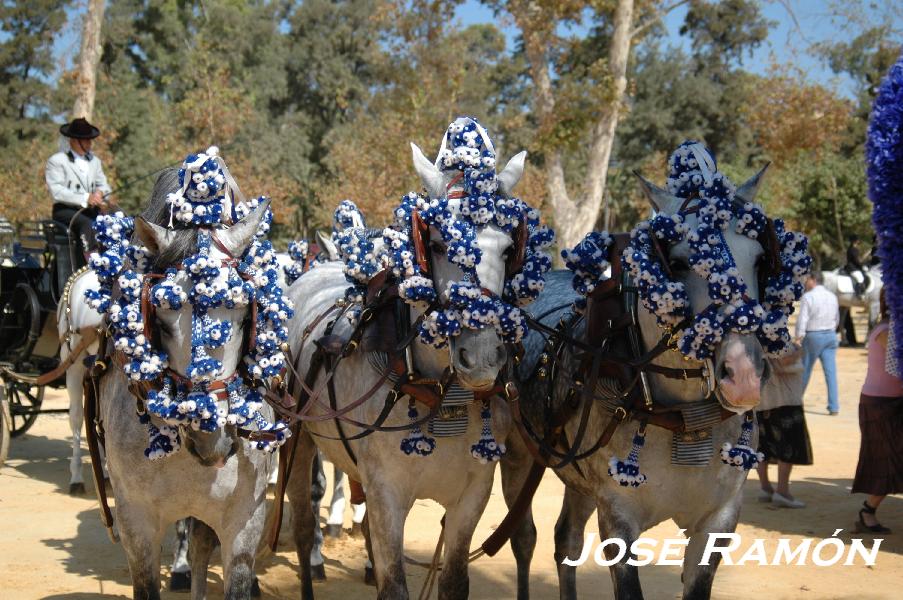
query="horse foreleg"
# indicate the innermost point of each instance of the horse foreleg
(698, 578)
(515, 466)
(625, 578)
(141, 536)
(336, 504)
(180, 572)
(317, 491)
(303, 518)
(239, 548)
(74, 376)
(387, 512)
(460, 523)
(576, 509)
(203, 542)
(358, 511)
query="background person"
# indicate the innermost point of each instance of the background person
(880, 468)
(783, 435)
(816, 329)
(76, 181)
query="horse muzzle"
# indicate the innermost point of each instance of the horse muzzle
(212, 449)
(740, 371)
(477, 358)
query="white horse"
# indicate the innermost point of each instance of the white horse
(391, 479)
(701, 499)
(842, 285)
(74, 317)
(219, 478)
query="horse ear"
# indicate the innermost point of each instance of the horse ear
(660, 199)
(237, 238)
(748, 190)
(512, 173)
(430, 175)
(154, 237)
(327, 245)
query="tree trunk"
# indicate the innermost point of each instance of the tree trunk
(572, 230)
(574, 216)
(838, 227)
(85, 87)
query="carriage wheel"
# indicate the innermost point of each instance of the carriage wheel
(5, 434)
(24, 404)
(20, 321)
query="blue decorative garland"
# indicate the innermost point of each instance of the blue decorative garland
(693, 172)
(884, 167)
(256, 278)
(297, 251)
(466, 148)
(732, 309)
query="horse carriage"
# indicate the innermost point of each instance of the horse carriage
(36, 261)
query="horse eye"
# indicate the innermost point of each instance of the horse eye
(437, 247)
(679, 265)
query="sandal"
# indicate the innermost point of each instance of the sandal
(861, 527)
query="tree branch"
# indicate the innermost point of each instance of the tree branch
(656, 17)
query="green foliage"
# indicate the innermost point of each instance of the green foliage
(316, 101)
(26, 65)
(825, 196)
(27, 31)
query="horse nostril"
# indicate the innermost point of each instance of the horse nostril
(726, 372)
(463, 359)
(499, 354)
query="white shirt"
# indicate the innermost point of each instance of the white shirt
(819, 311)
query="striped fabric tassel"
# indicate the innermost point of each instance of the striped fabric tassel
(742, 456)
(627, 472)
(416, 442)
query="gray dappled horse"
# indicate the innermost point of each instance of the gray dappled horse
(701, 500)
(218, 478)
(391, 479)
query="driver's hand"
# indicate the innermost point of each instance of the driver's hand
(95, 199)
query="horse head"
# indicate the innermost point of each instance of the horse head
(178, 328)
(707, 269)
(476, 355)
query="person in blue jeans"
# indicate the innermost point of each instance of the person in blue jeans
(816, 330)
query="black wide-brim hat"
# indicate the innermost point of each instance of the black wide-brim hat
(79, 129)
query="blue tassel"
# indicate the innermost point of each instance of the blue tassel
(627, 472)
(741, 455)
(487, 450)
(416, 442)
(161, 442)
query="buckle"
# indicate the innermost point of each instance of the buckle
(509, 386)
(620, 414)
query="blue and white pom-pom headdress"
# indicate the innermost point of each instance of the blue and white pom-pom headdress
(125, 264)
(884, 158)
(208, 194)
(693, 174)
(477, 197)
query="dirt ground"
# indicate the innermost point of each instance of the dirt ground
(53, 545)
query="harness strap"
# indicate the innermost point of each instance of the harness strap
(94, 436)
(88, 336)
(284, 468)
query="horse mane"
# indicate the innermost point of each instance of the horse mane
(157, 212)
